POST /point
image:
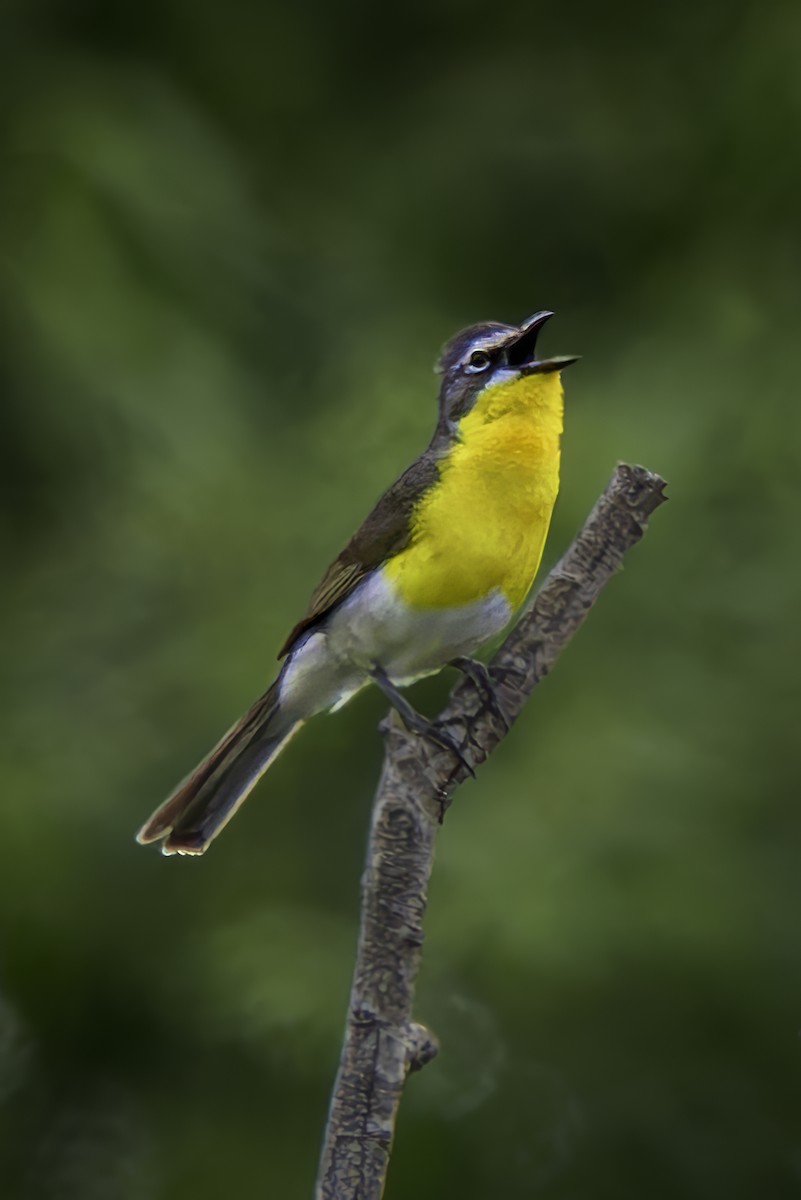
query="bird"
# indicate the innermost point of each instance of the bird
(437, 570)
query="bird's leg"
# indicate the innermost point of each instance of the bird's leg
(478, 672)
(415, 721)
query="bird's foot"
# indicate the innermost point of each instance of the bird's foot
(416, 722)
(479, 673)
(443, 803)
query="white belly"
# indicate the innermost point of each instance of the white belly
(374, 626)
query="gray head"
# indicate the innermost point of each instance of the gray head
(487, 353)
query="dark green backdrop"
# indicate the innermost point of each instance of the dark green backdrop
(232, 239)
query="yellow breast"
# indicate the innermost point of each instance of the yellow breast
(483, 525)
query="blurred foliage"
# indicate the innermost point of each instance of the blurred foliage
(232, 238)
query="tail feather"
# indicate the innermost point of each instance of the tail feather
(192, 816)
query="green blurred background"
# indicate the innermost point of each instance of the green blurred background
(232, 239)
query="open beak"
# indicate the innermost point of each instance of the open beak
(521, 351)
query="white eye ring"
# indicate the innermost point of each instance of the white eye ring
(479, 361)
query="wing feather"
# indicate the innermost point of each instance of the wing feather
(385, 532)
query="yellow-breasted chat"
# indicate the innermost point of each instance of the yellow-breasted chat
(436, 570)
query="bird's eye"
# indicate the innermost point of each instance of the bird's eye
(478, 361)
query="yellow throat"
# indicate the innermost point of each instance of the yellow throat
(483, 525)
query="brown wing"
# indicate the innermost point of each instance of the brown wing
(385, 532)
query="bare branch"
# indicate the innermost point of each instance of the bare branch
(382, 1043)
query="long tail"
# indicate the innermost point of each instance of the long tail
(205, 801)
